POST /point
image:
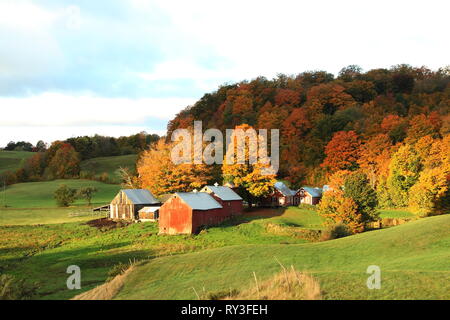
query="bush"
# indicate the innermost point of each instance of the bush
(12, 288)
(65, 196)
(335, 231)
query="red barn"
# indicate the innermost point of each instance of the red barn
(281, 196)
(229, 199)
(187, 212)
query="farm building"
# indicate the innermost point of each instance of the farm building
(149, 214)
(281, 196)
(187, 212)
(309, 195)
(127, 203)
(229, 199)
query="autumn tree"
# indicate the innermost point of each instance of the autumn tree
(65, 163)
(248, 177)
(431, 194)
(342, 152)
(374, 157)
(158, 173)
(404, 171)
(335, 207)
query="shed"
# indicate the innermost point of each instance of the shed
(227, 197)
(149, 213)
(127, 203)
(310, 195)
(187, 212)
(282, 195)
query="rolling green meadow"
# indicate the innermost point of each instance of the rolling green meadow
(39, 240)
(13, 160)
(109, 165)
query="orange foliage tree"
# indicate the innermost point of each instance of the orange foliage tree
(342, 152)
(160, 175)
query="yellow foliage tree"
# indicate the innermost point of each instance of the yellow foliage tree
(246, 176)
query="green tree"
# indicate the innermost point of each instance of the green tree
(87, 193)
(65, 196)
(357, 186)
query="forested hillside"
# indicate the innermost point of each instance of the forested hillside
(392, 125)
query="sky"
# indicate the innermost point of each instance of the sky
(116, 67)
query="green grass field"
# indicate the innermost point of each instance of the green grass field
(45, 215)
(13, 160)
(396, 213)
(109, 165)
(40, 194)
(414, 257)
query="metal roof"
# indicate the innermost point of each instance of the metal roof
(140, 196)
(224, 193)
(314, 192)
(149, 209)
(280, 186)
(199, 200)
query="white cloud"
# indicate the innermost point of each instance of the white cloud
(55, 109)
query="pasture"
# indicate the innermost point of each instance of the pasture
(13, 160)
(414, 257)
(109, 165)
(40, 194)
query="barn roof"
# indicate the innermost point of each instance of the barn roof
(149, 209)
(199, 200)
(314, 192)
(140, 196)
(280, 186)
(224, 193)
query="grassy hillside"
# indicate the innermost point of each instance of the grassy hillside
(13, 160)
(40, 194)
(109, 165)
(414, 261)
(46, 251)
(36, 216)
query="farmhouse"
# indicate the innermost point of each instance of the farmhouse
(281, 196)
(229, 199)
(127, 203)
(186, 212)
(309, 195)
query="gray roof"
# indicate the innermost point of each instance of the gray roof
(314, 192)
(140, 196)
(149, 209)
(199, 200)
(224, 193)
(280, 186)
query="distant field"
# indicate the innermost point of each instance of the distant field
(13, 160)
(396, 213)
(109, 165)
(40, 194)
(46, 215)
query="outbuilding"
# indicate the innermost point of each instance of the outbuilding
(310, 195)
(187, 212)
(282, 196)
(127, 203)
(227, 197)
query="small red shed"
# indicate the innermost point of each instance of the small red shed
(187, 212)
(229, 199)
